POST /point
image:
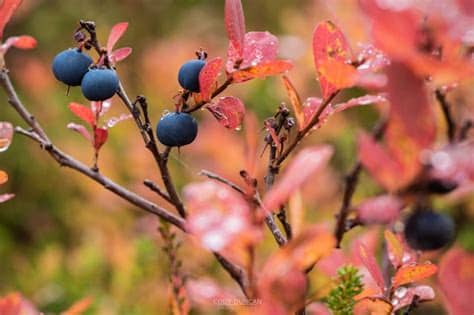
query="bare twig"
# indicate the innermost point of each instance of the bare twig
(235, 272)
(154, 187)
(446, 108)
(223, 180)
(281, 215)
(351, 181)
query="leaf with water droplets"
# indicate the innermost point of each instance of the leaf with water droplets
(412, 273)
(394, 248)
(228, 110)
(372, 306)
(331, 51)
(404, 296)
(262, 70)
(235, 27)
(6, 135)
(208, 77)
(111, 122)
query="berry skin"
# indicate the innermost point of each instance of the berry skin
(188, 75)
(70, 66)
(176, 129)
(428, 230)
(99, 84)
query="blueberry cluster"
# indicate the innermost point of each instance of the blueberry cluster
(178, 129)
(73, 67)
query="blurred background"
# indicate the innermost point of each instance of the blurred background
(63, 238)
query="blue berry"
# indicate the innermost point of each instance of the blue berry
(176, 129)
(188, 75)
(70, 66)
(99, 84)
(428, 230)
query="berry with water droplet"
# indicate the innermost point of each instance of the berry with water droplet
(176, 129)
(428, 230)
(188, 75)
(70, 66)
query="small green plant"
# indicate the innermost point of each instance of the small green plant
(341, 299)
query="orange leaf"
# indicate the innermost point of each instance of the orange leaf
(78, 307)
(21, 42)
(413, 273)
(264, 69)
(3, 177)
(208, 77)
(228, 110)
(115, 34)
(295, 101)
(304, 165)
(331, 51)
(394, 247)
(370, 263)
(372, 306)
(83, 112)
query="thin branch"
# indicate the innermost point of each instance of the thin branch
(281, 215)
(448, 116)
(351, 181)
(155, 188)
(235, 272)
(464, 130)
(223, 180)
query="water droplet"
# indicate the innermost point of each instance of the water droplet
(395, 302)
(166, 112)
(6, 135)
(238, 128)
(406, 258)
(401, 292)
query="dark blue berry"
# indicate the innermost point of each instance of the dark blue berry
(188, 76)
(176, 129)
(428, 230)
(99, 84)
(70, 66)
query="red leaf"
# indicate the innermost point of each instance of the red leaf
(228, 110)
(380, 164)
(360, 101)
(21, 42)
(379, 210)
(111, 122)
(235, 27)
(4, 198)
(115, 34)
(6, 135)
(7, 8)
(3, 177)
(306, 163)
(404, 296)
(370, 263)
(208, 77)
(456, 280)
(259, 47)
(262, 70)
(310, 107)
(81, 130)
(413, 273)
(100, 137)
(83, 112)
(15, 304)
(120, 54)
(331, 50)
(295, 102)
(395, 249)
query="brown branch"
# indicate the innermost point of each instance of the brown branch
(223, 180)
(235, 272)
(154, 187)
(351, 181)
(448, 116)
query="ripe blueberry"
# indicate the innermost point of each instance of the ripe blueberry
(99, 84)
(176, 129)
(70, 66)
(188, 75)
(428, 230)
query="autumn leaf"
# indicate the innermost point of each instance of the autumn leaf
(331, 51)
(3, 177)
(235, 27)
(306, 163)
(372, 306)
(78, 307)
(413, 273)
(370, 263)
(16, 304)
(404, 296)
(295, 102)
(115, 34)
(7, 8)
(81, 130)
(20, 42)
(100, 137)
(120, 54)
(394, 248)
(379, 210)
(262, 70)
(83, 112)
(208, 77)
(228, 110)
(6, 135)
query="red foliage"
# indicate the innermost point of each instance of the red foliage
(229, 111)
(208, 77)
(235, 27)
(7, 8)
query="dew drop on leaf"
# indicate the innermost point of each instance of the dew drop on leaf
(6, 135)
(401, 292)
